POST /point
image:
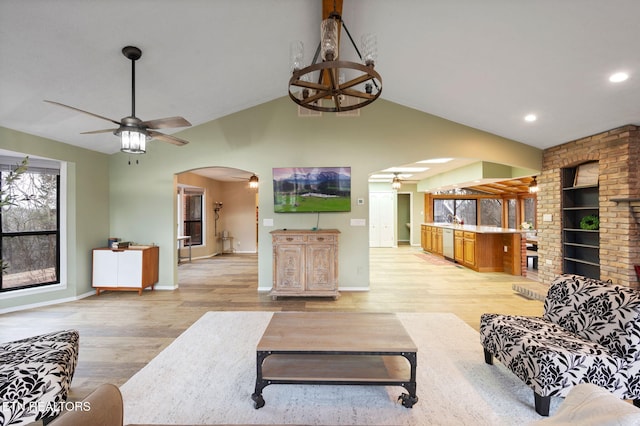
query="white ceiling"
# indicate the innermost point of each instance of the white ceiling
(485, 63)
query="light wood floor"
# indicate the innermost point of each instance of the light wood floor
(120, 331)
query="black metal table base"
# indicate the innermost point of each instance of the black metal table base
(408, 400)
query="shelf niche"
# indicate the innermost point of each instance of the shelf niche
(580, 247)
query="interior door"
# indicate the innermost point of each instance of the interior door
(382, 219)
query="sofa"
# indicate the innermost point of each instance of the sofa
(102, 407)
(589, 333)
(590, 405)
(35, 376)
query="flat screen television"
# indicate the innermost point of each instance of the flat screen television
(311, 189)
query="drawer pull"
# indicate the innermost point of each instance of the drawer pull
(320, 238)
(289, 239)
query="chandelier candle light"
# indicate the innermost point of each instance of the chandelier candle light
(335, 85)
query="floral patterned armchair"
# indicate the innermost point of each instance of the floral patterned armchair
(35, 376)
(589, 333)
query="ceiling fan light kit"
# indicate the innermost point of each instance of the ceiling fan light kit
(132, 131)
(254, 182)
(335, 85)
(132, 141)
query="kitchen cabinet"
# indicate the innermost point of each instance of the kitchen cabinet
(305, 263)
(432, 239)
(426, 238)
(436, 240)
(481, 248)
(458, 246)
(469, 249)
(131, 269)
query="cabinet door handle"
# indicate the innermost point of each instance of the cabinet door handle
(289, 239)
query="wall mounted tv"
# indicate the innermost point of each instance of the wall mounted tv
(311, 189)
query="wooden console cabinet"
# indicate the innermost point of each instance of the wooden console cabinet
(305, 263)
(132, 269)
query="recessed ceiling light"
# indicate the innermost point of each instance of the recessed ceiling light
(530, 118)
(436, 161)
(618, 77)
(406, 169)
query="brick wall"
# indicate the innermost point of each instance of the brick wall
(618, 154)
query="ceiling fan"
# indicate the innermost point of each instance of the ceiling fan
(133, 131)
(253, 180)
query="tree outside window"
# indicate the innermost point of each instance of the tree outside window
(29, 243)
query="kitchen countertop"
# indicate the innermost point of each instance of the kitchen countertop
(477, 229)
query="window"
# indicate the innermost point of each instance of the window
(491, 212)
(191, 205)
(512, 213)
(529, 209)
(464, 209)
(30, 225)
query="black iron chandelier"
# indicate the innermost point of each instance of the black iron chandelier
(334, 85)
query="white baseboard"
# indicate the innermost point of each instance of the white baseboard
(46, 303)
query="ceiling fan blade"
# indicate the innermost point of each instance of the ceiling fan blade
(83, 111)
(166, 123)
(167, 138)
(99, 131)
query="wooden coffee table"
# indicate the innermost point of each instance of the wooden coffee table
(336, 349)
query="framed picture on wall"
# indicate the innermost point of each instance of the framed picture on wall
(586, 174)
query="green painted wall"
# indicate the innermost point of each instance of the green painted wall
(87, 206)
(108, 196)
(271, 135)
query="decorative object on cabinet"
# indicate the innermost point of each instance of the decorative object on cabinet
(132, 269)
(305, 263)
(590, 222)
(586, 174)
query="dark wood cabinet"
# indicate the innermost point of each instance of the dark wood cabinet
(581, 247)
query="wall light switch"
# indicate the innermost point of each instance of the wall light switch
(361, 201)
(547, 217)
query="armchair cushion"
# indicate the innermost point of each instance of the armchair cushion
(35, 376)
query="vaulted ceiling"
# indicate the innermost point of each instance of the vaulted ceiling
(485, 64)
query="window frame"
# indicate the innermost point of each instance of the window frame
(184, 190)
(37, 165)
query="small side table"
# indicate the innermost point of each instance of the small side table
(223, 241)
(181, 242)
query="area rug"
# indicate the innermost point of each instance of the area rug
(207, 376)
(435, 260)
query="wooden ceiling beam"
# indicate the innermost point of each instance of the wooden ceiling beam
(328, 7)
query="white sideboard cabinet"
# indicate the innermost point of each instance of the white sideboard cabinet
(131, 269)
(305, 263)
